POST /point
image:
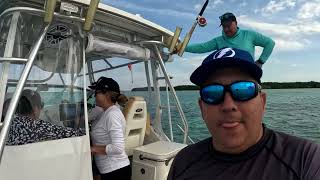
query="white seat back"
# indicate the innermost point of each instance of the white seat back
(135, 113)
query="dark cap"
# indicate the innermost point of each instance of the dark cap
(227, 17)
(225, 57)
(104, 83)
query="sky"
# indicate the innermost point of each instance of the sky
(293, 24)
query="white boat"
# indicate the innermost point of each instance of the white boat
(59, 48)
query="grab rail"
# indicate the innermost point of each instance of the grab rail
(16, 95)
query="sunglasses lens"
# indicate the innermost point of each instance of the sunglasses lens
(243, 91)
(212, 94)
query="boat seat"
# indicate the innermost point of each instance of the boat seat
(135, 113)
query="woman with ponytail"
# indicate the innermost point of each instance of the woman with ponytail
(107, 133)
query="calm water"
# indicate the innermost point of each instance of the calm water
(294, 111)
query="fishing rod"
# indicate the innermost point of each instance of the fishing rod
(200, 20)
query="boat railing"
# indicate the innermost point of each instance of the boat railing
(190, 139)
(153, 44)
(166, 77)
(8, 58)
(20, 85)
(172, 90)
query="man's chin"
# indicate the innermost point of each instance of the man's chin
(233, 146)
(231, 143)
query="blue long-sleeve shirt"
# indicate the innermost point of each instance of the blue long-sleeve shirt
(243, 39)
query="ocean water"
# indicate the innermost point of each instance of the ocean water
(293, 111)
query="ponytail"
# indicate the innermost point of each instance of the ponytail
(119, 98)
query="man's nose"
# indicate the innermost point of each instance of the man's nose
(228, 104)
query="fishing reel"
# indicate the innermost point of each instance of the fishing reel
(202, 21)
(174, 46)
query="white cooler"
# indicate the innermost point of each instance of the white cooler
(153, 161)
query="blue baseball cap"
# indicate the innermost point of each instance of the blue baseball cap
(222, 58)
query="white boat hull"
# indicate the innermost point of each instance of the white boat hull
(69, 159)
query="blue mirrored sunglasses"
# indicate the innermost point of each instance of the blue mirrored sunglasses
(239, 91)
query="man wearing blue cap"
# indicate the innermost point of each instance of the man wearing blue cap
(241, 147)
(233, 36)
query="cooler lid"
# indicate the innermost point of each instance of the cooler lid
(160, 150)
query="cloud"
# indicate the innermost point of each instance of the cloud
(294, 28)
(288, 37)
(167, 12)
(276, 6)
(283, 44)
(216, 2)
(195, 61)
(243, 4)
(212, 5)
(278, 29)
(274, 61)
(289, 44)
(300, 76)
(197, 7)
(296, 65)
(309, 10)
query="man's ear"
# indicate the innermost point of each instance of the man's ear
(263, 96)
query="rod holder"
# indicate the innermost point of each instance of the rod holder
(90, 15)
(183, 45)
(175, 39)
(49, 10)
(187, 39)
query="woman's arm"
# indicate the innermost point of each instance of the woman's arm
(98, 149)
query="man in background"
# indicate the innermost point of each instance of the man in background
(233, 36)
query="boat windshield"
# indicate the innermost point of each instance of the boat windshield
(55, 71)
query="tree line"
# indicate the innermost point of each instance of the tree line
(265, 85)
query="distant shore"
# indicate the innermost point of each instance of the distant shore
(265, 85)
